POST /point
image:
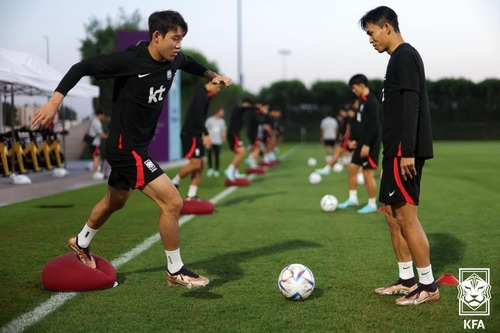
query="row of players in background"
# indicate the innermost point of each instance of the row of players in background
(196, 137)
(359, 136)
(263, 133)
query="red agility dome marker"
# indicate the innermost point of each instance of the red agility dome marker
(238, 182)
(269, 164)
(257, 171)
(67, 273)
(197, 207)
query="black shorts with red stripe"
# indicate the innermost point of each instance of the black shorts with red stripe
(393, 189)
(192, 146)
(234, 142)
(369, 162)
(131, 169)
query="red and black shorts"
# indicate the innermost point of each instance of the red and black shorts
(393, 189)
(370, 162)
(131, 169)
(192, 146)
(234, 142)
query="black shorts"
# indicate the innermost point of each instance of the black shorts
(393, 189)
(192, 146)
(234, 142)
(370, 162)
(131, 169)
(95, 150)
(329, 142)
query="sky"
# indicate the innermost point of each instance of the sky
(323, 39)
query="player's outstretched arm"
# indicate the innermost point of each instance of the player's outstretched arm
(217, 79)
(47, 112)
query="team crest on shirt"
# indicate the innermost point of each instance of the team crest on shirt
(169, 74)
(150, 165)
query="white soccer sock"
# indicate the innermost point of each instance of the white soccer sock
(174, 261)
(176, 180)
(230, 168)
(353, 195)
(406, 270)
(327, 167)
(372, 202)
(85, 236)
(193, 189)
(425, 275)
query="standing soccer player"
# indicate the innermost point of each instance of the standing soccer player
(366, 145)
(407, 141)
(143, 75)
(216, 126)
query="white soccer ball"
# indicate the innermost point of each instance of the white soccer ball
(314, 178)
(360, 178)
(329, 203)
(296, 282)
(311, 162)
(337, 167)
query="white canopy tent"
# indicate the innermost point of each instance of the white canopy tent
(25, 74)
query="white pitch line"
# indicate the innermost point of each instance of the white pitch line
(57, 300)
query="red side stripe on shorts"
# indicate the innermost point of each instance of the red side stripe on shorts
(236, 142)
(372, 163)
(191, 150)
(139, 169)
(397, 177)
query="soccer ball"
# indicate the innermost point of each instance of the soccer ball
(296, 282)
(314, 178)
(337, 167)
(329, 203)
(311, 162)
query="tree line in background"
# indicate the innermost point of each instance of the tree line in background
(461, 109)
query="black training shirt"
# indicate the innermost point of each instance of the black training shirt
(406, 125)
(140, 88)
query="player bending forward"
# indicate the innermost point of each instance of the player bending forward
(143, 75)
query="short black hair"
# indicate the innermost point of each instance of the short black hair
(246, 100)
(99, 111)
(358, 79)
(379, 16)
(165, 21)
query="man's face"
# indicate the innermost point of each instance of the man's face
(357, 89)
(168, 46)
(378, 36)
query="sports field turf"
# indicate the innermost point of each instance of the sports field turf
(256, 231)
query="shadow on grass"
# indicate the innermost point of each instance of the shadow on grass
(226, 267)
(248, 198)
(446, 249)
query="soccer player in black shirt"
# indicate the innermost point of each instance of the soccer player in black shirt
(365, 141)
(143, 75)
(407, 140)
(233, 137)
(195, 138)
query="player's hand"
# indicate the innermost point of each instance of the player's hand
(353, 144)
(365, 151)
(44, 116)
(222, 79)
(207, 142)
(47, 112)
(408, 168)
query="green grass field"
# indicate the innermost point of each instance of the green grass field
(256, 231)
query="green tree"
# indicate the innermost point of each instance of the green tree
(100, 39)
